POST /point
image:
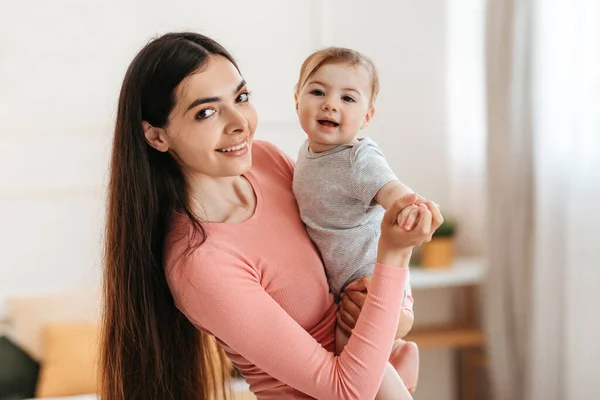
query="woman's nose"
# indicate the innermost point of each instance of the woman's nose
(236, 121)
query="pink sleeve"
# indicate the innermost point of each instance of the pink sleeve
(222, 295)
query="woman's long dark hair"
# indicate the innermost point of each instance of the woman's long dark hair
(149, 350)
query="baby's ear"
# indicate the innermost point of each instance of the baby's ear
(296, 100)
(369, 116)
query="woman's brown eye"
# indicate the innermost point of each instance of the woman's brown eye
(243, 97)
(203, 114)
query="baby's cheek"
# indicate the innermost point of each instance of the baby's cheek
(354, 118)
(305, 118)
(305, 112)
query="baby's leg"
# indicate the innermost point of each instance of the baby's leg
(395, 384)
(392, 387)
(405, 359)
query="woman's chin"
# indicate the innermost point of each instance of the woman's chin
(241, 166)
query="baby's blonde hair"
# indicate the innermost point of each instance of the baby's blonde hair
(338, 55)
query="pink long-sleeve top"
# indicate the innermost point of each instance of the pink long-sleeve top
(260, 288)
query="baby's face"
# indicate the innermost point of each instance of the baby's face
(334, 104)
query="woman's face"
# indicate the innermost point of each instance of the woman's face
(211, 127)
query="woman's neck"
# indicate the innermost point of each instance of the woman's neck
(230, 199)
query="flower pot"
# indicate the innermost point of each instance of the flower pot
(439, 253)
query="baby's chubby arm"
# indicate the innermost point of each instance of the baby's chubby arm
(391, 192)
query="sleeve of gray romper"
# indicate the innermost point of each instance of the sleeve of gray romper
(369, 172)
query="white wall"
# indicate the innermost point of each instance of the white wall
(61, 65)
(406, 39)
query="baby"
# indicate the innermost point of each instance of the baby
(343, 183)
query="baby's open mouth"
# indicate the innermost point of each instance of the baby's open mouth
(325, 122)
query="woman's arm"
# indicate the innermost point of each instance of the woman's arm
(222, 295)
(353, 299)
(356, 292)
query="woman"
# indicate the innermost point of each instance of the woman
(204, 238)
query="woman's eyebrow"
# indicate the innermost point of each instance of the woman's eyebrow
(204, 100)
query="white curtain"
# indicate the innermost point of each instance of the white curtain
(510, 194)
(466, 127)
(566, 119)
(466, 122)
(543, 291)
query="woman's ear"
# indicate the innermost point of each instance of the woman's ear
(155, 137)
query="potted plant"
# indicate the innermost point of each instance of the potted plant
(439, 252)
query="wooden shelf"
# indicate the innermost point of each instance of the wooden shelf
(440, 337)
(464, 272)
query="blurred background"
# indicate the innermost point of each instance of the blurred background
(490, 108)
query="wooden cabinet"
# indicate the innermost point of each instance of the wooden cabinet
(465, 334)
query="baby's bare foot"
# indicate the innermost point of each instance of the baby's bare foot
(405, 359)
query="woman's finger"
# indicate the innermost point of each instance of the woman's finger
(420, 199)
(342, 325)
(436, 216)
(347, 318)
(424, 225)
(356, 297)
(350, 307)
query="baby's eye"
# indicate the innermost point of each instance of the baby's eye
(348, 99)
(317, 92)
(205, 113)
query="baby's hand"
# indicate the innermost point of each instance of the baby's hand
(409, 217)
(395, 240)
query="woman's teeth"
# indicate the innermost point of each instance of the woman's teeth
(238, 147)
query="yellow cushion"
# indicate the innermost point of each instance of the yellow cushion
(70, 359)
(29, 314)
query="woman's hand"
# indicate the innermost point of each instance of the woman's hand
(351, 303)
(395, 243)
(409, 216)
